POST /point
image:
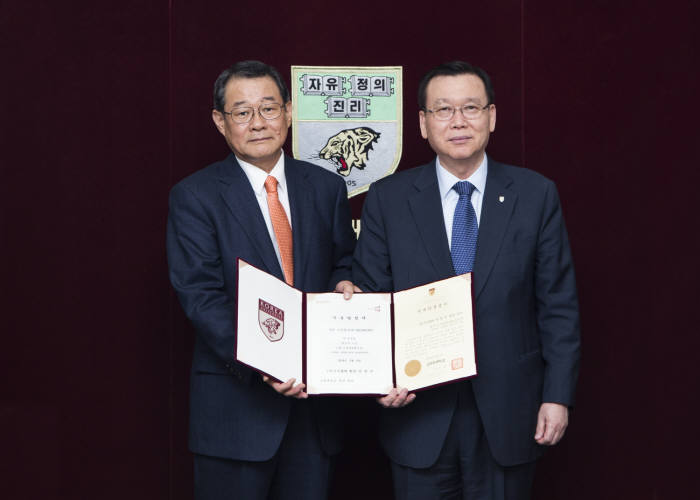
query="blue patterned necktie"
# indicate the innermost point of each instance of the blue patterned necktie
(464, 229)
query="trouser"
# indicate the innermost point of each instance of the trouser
(465, 469)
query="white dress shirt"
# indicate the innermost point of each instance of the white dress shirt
(256, 177)
(449, 196)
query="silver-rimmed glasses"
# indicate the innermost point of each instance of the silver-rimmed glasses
(243, 114)
(469, 111)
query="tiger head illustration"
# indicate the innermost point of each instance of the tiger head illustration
(349, 148)
(272, 325)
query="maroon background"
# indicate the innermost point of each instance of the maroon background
(106, 105)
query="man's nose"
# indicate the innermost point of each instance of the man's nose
(458, 120)
(257, 121)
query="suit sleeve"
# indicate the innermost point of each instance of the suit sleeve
(557, 305)
(343, 238)
(196, 272)
(371, 266)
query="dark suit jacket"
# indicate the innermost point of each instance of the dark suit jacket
(527, 328)
(214, 219)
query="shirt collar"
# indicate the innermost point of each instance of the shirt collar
(446, 180)
(257, 176)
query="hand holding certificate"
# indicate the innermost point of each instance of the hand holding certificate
(338, 346)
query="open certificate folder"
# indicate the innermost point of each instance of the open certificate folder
(416, 338)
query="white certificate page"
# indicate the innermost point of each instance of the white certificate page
(434, 333)
(348, 343)
(269, 333)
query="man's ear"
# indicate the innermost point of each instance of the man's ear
(219, 120)
(421, 122)
(288, 113)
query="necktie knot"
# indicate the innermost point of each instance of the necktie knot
(464, 188)
(271, 184)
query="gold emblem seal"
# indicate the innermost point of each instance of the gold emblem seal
(412, 368)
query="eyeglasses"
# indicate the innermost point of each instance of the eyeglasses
(243, 114)
(469, 111)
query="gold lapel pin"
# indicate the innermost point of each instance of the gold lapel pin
(501, 198)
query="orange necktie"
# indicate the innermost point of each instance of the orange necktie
(283, 231)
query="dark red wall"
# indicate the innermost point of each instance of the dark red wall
(106, 105)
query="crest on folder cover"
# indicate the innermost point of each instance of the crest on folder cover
(271, 321)
(348, 120)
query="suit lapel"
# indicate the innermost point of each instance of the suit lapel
(301, 206)
(496, 211)
(426, 208)
(239, 197)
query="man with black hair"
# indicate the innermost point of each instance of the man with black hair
(252, 437)
(465, 212)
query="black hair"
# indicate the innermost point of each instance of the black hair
(454, 68)
(247, 69)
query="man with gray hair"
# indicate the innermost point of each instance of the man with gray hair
(255, 438)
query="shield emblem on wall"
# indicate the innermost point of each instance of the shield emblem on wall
(349, 120)
(271, 321)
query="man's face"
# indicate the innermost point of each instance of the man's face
(458, 142)
(259, 141)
